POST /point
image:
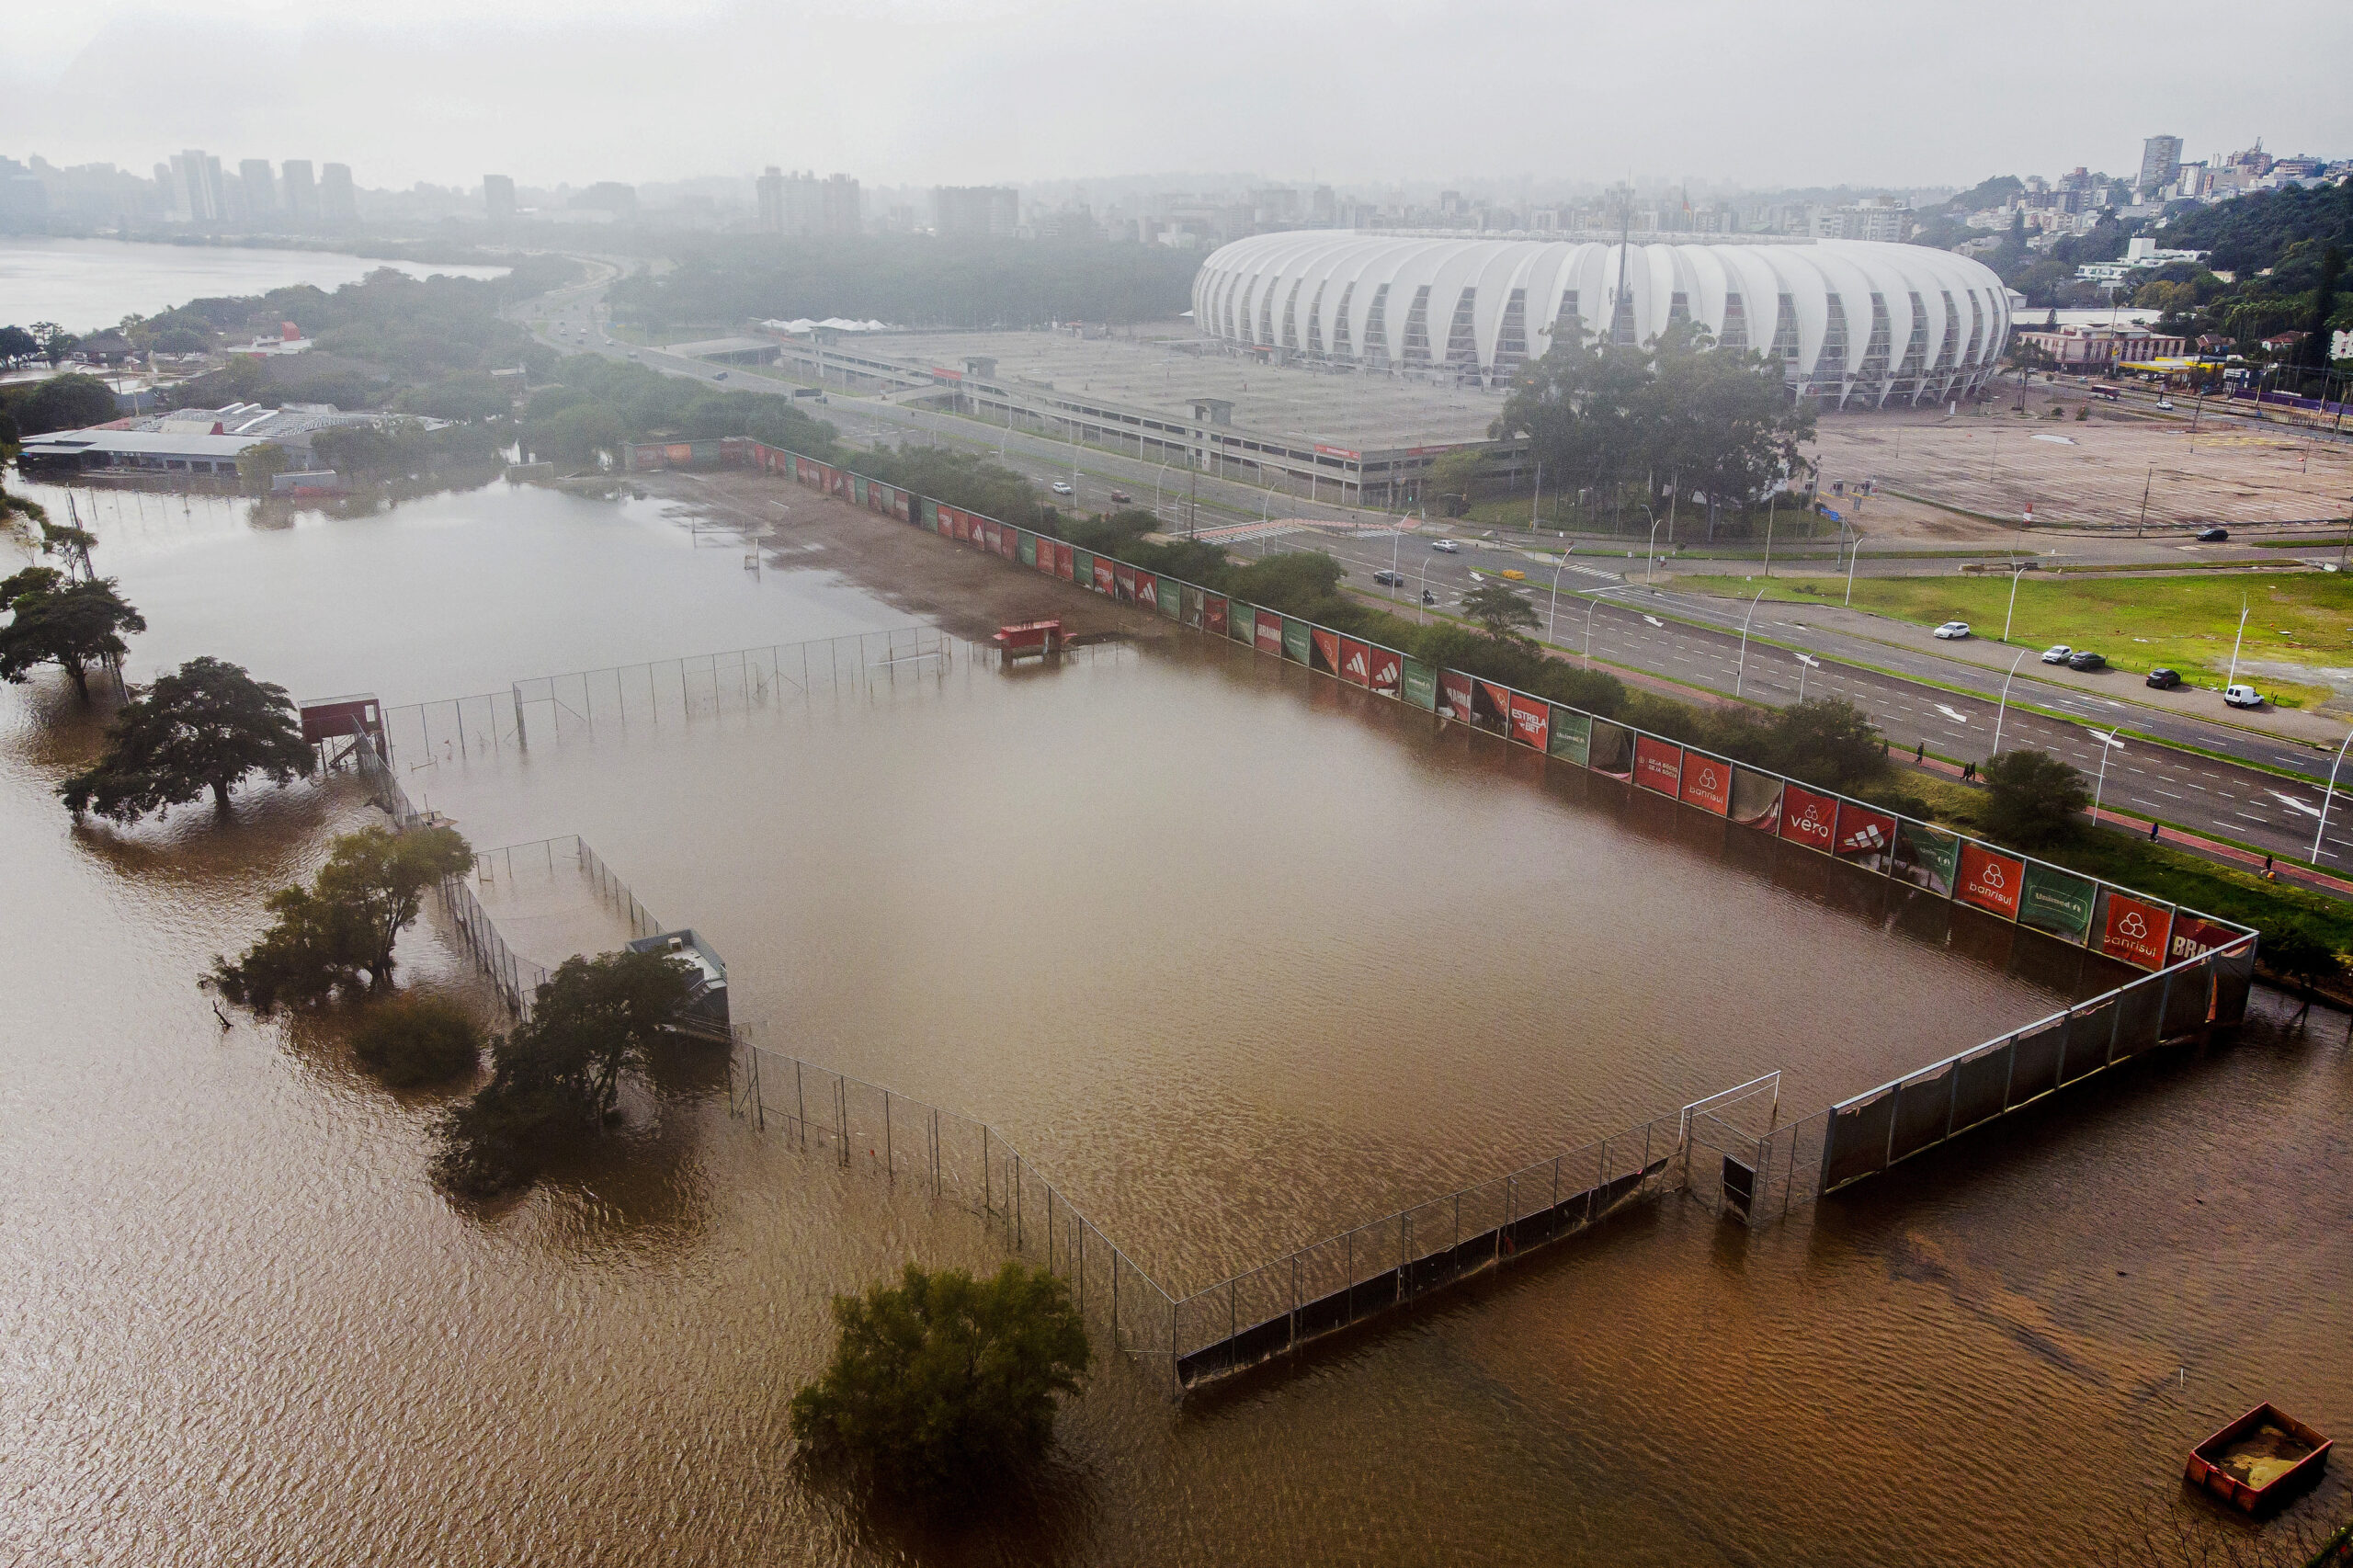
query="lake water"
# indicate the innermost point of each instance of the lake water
(1233, 952)
(85, 284)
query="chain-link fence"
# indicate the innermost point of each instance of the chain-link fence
(517, 978)
(1871, 1131)
(671, 691)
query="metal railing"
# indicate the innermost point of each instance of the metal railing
(518, 978)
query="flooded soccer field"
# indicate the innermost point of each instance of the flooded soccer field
(1238, 959)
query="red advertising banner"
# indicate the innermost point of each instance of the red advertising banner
(990, 535)
(1214, 613)
(1356, 662)
(1531, 720)
(1123, 582)
(2191, 938)
(1147, 589)
(1269, 633)
(1106, 580)
(1327, 650)
(1707, 782)
(1658, 765)
(2137, 931)
(1387, 667)
(1065, 566)
(679, 451)
(1863, 831)
(841, 481)
(1808, 818)
(1008, 541)
(1454, 696)
(1990, 879)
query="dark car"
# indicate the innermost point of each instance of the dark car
(1389, 579)
(2213, 536)
(1121, 498)
(2084, 659)
(2165, 679)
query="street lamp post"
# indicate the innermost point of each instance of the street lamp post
(2015, 572)
(2005, 707)
(1741, 674)
(1771, 502)
(2107, 744)
(1554, 613)
(1649, 550)
(2232, 678)
(1854, 553)
(2331, 795)
(1805, 662)
(1591, 601)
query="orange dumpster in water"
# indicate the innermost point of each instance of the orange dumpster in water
(2258, 1460)
(1038, 637)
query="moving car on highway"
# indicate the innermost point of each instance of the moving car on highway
(1513, 574)
(1120, 498)
(1951, 631)
(2057, 653)
(1062, 487)
(1446, 545)
(1389, 579)
(2213, 536)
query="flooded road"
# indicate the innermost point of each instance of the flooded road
(1235, 957)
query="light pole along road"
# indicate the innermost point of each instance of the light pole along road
(1696, 640)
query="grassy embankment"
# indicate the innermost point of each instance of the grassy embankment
(2185, 623)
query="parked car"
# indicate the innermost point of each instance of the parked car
(2164, 679)
(2084, 659)
(1446, 546)
(1062, 487)
(1951, 631)
(1120, 498)
(1389, 579)
(2057, 653)
(2241, 697)
(2213, 536)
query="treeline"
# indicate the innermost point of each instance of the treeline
(1619, 421)
(597, 403)
(61, 403)
(918, 280)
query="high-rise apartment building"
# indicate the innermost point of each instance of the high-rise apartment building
(2160, 166)
(302, 193)
(338, 197)
(770, 187)
(841, 208)
(261, 187)
(987, 212)
(498, 198)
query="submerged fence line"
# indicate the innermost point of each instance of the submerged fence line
(517, 978)
(680, 687)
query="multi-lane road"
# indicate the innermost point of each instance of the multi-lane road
(1602, 607)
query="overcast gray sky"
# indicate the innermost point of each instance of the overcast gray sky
(1757, 92)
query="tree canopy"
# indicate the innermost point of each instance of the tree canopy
(942, 1383)
(336, 937)
(1501, 611)
(592, 1021)
(57, 618)
(206, 725)
(2032, 800)
(69, 401)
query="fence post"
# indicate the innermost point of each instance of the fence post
(890, 1155)
(987, 1198)
(841, 1115)
(522, 737)
(800, 1106)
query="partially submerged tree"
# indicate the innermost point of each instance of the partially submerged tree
(942, 1383)
(592, 1021)
(2032, 800)
(2293, 948)
(203, 727)
(337, 936)
(408, 1039)
(54, 619)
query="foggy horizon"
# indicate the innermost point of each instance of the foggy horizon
(921, 93)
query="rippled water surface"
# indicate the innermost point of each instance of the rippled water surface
(88, 284)
(1238, 959)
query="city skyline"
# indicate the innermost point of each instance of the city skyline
(1064, 103)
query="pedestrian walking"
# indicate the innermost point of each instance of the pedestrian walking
(1920, 751)
(2152, 833)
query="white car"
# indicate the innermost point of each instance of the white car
(1062, 487)
(1951, 631)
(2166, 404)
(2241, 697)
(2057, 653)
(1446, 546)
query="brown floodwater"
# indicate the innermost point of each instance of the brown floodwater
(1235, 957)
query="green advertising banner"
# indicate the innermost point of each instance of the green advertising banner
(1295, 641)
(1928, 857)
(1241, 623)
(1082, 569)
(1572, 735)
(1420, 686)
(2058, 901)
(1171, 597)
(1028, 548)
(858, 488)
(930, 514)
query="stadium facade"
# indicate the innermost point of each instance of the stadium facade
(1854, 323)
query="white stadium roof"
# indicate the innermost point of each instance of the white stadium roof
(1854, 323)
